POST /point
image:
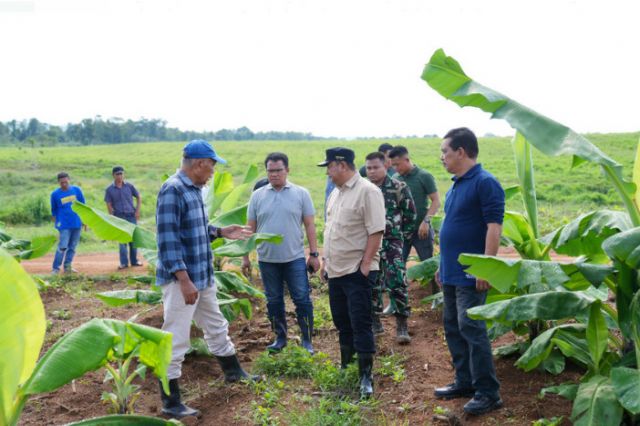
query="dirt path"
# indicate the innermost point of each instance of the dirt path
(107, 263)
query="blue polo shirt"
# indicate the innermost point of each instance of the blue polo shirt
(475, 199)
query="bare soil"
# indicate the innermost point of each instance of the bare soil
(410, 402)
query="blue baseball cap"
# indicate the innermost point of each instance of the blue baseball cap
(199, 148)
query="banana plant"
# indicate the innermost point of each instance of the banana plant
(25, 249)
(86, 348)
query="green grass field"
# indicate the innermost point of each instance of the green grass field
(28, 175)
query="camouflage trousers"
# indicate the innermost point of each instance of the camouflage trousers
(392, 278)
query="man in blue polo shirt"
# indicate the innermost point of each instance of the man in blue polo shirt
(67, 222)
(283, 208)
(474, 210)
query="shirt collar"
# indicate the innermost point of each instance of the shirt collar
(286, 185)
(470, 173)
(186, 180)
(351, 182)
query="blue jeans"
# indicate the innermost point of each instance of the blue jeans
(66, 248)
(468, 342)
(133, 252)
(352, 311)
(294, 273)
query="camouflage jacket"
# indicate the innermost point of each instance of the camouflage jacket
(401, 210)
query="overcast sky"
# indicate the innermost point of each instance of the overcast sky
(343, 68)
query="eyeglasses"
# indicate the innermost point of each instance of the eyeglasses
(274, 171)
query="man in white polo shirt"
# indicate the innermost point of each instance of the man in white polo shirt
(282, 208)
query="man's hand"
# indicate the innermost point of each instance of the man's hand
(137, 214)
(246, 266)
(423, 230)
(437, 278)
(313, 264)
(236, 232)
(323, 274)
(482, 285)
(189, 292)
(365, 269)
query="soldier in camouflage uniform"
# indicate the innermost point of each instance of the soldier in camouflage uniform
(401, 218)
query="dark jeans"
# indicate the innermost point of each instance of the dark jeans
(294, 273)
(67, 243)
(467, 340)
(350, 301)
(424, 248)
(133, 252)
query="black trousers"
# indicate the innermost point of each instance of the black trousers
(351, 309)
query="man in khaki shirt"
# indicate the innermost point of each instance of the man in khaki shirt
(352, 239)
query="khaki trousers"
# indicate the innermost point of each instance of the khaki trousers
(206, 314)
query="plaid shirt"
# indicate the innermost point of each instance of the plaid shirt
(183, 233)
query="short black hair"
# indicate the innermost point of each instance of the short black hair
(385, 147)
(463, 138)
(63, 175)
(375, 155)
(398, 151)
(277, 156)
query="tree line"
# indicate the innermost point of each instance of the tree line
(116, 130)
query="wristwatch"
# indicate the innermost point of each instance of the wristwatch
(314, 254)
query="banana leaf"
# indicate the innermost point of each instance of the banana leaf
(38, 247)
(551, 305)
(124, 297)
(636, 176)
(425, 270)
(237, 216)
(542, 346)
(230, 281)
(504, 273)
(445, 75)
(597, 334)
(624, 247)
(584, 235)
(238, 248)
(111, 228)
(222, 187)
(524, 170)
(92, 345)
(23, 328)
(626, 385)
(596, 404)
(566, 390)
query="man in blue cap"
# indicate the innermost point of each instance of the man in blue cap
(352, 239)
(185, 270)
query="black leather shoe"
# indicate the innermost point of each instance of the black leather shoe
(481, 404)
(171, 404)
(452, 391)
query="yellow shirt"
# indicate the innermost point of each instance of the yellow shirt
(355, 210)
